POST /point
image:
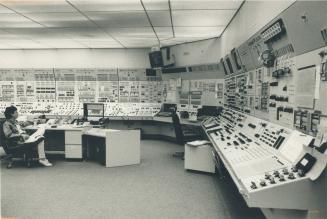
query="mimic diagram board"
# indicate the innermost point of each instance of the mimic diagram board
(290, 93)
(193, 92)
(79, 85)
(282, 77)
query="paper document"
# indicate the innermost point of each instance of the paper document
(36, 135)
(198, 143)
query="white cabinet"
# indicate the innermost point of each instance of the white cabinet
(73, 151)
(73, 144)
(199, 158)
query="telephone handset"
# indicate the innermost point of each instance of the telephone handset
(306, 163)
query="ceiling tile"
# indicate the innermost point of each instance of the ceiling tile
(87, 33)
(131, 32)
(32, 6)
(124, 21)
(179, 40)
(6, 35)
(101, 44)
(35, 33)
(205, 4)
(16, 21)
(120, 19)
(6, 46)
(25, 44)
(164, 32)
(160, 18)
(138, 42)
(156, 4)
(4, 10)
(60, 19)
(202, 17)
(61, 44)
(108, 5)
(198, 31)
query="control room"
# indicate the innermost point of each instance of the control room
(163, 109)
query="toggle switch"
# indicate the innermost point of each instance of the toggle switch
(253, 185)
(276, 173)
(291, 176)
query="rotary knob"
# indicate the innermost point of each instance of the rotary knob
(276, 173)
(263, 183)
(291, 176)
(272, 180)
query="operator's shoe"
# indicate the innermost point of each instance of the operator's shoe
(45, 162)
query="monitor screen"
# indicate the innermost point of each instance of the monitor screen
(150, 72)
(93, 110)
(156, 59)
(167, 107)
(208, 111)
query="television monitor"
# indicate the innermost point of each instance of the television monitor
(156, 60)
(150, 72)
(93, 111)
(208, 111)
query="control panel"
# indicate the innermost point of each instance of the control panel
(265, 158)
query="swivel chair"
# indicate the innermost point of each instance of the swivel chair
(25, 152)
(183, 134)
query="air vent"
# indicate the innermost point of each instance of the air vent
(324, 35)
(284, 50)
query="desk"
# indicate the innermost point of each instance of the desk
(120, 147)
(182, 121)
(66, 139)
(199, 158)
(63, 139)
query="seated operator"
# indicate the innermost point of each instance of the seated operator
(12, 129)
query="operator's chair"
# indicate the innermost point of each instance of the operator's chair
(183, 134)
(25, 152)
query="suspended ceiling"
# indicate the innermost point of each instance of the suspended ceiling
(43, 24)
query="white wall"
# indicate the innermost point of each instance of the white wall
(201, 52)
(75, 58)
(252, 16)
